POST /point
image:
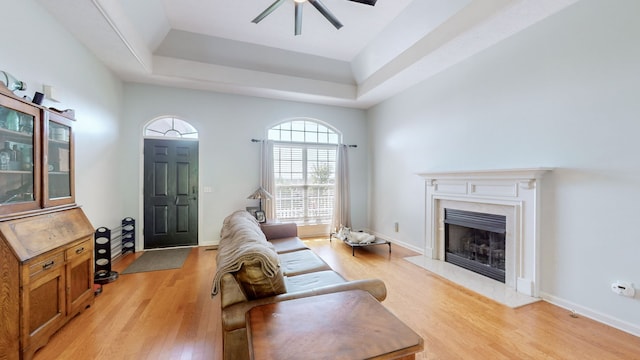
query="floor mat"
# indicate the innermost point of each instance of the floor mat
(158, 260)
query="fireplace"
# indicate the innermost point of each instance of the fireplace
(502, 242)
(476, 242)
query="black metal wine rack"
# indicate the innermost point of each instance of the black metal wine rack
(128, 235)
(102, 255)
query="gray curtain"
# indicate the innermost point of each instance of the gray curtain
(267, 181)
(342, 205)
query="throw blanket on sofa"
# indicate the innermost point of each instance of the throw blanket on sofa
(242, 242)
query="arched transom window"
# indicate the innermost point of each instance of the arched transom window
(170, 127)
(304, 163)
(306, 131)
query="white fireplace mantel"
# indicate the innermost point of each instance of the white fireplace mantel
(514, 193)
(502, 174)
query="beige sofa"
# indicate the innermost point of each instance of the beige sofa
(258, 265)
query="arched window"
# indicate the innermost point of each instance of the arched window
(304, 164)
(170, 127)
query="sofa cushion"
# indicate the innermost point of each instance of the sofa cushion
(256, 284)
(279, 230)
(312, 280)
(301, 262)
(288, 244)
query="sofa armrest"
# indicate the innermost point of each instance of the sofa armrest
(230, 291)
(233, 317)
(279, 230)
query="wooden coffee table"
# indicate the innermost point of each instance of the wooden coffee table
(344, 325)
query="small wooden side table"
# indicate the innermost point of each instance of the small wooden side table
(345, 325)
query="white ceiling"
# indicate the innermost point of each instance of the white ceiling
(213, 45)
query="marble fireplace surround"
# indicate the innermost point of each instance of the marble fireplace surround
(514, 193)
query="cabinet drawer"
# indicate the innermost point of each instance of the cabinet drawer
(46, 263)
(79, 249)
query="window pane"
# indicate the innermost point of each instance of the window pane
(288, 165)
(183, 127)
(285, 135)
(274, 134)
(161, 125)
(312, 137)
(297, 136)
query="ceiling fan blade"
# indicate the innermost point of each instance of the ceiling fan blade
(368, 2)
(298, 29)
(327, 14)
(268, 11)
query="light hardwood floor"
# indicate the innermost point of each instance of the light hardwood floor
(170, 315)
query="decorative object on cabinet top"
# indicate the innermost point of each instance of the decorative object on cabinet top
(69, 113)
(11, 83)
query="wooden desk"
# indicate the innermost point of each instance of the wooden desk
(347, 325)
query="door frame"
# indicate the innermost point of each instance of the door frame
(139, 246)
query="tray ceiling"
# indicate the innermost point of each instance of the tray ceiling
(213, 45)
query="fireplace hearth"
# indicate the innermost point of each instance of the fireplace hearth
(476, 241)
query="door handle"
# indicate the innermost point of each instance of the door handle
(177, 200)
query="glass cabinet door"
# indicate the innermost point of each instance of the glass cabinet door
(18, 155)
(58, 167)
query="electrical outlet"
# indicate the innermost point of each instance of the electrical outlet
(396, 226)
(624, 288)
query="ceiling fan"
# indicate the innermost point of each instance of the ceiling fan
(316, 3)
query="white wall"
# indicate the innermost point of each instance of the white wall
(36, 49)
(229, 161)
(564, 93)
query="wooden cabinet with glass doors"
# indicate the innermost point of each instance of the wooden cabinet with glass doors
(46, 243)
(36, 158)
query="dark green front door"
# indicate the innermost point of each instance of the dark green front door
(170, 193)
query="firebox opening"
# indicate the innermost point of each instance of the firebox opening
(476, 242)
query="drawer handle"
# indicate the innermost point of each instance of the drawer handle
(80, 250)
(48, 265)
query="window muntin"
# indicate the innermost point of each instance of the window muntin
(304, 158)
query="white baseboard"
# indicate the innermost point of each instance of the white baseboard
(209, 243)
(592, 314)
(396, 241)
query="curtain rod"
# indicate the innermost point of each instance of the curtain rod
(301, 143)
